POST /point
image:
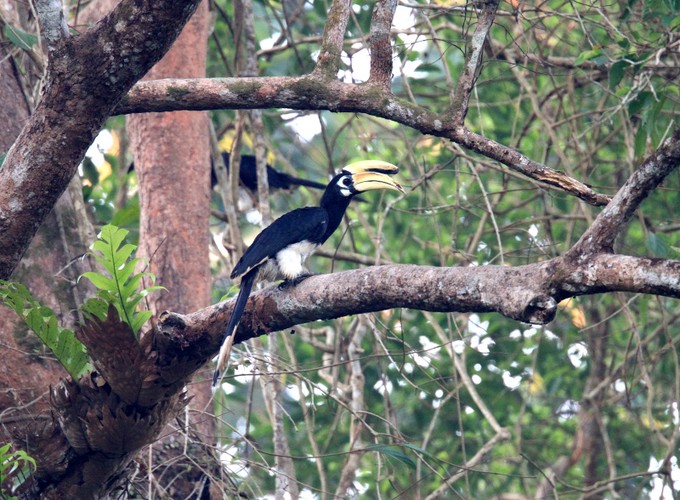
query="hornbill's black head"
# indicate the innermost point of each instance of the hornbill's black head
(358, 177)
(281, 248)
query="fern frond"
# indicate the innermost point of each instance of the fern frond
(68, 350)
(121, 286)
(15, 469)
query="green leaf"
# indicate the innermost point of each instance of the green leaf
(674, 23)
(19, 37)
(99, 281)
(121, 287)
(588, 55)
(123, 254)
(418, 449)
(68, 350)
(114, 235)
(628, 9)
(642, 100)
(96, 307)
(128, 215)
(640, 140)
(139, 320)
(10, 462)
(616, 73)
(126, 270)
(90, 171)
(658, 245)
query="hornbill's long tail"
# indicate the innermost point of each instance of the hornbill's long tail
(246, 286)
(282, 247)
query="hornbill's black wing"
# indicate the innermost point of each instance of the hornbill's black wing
(248, 172)
(299, 225)
(308, 223)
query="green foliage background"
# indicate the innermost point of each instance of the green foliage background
(586, 89)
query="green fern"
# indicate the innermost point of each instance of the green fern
(120, 285)
(16, 466)
(69, 351)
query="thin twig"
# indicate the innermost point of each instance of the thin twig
(600, 236)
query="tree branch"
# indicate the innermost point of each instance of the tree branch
(52, 21)
(613, 219)
(381, 43)
(333, 38)
(466, 80)
(528, 293)
(313, 93)
(135, 401)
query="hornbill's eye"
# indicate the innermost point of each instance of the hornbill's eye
(296, 234)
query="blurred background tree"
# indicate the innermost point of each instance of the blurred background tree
(413, 404)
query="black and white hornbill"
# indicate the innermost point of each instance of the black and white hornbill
(280, 250)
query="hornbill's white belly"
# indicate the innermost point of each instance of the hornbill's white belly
(288, 263)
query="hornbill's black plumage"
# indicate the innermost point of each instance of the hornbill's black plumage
(248, 175)
(281, 249)
(275, 178)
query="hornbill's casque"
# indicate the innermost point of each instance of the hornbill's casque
(281, 249)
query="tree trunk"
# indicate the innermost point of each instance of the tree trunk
(25, 388)
(172, 161)
(49, 270)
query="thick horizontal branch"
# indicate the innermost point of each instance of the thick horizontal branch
(605, 272)
(314, 93)
(148, 390)
(527, 293)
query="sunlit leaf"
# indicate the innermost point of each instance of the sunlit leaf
(121, 285)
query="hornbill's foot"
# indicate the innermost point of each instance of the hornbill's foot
(295, 281)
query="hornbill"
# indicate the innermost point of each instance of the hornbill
(248, 175)
(275, 178)
(281, 249)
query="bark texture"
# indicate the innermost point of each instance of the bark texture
(85, 446)
(86, 77)
(172, 162)
(49, 269)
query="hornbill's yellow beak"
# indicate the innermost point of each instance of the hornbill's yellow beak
(373, 174)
